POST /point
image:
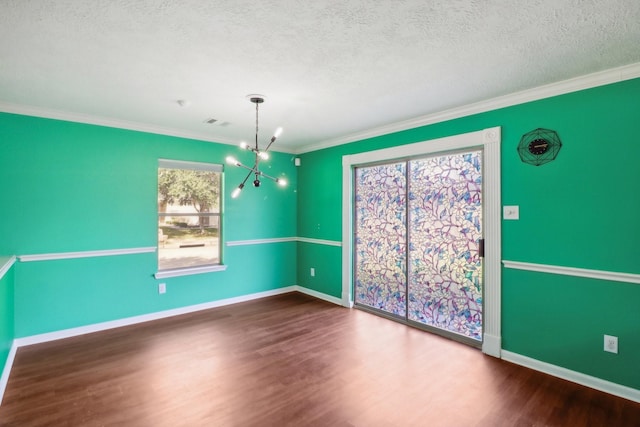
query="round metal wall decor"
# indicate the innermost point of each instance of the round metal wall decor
(539, 146)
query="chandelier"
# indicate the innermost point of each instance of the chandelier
(260, 155)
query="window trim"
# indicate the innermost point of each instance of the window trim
(206, 268)
(182, 164)
(489, 139)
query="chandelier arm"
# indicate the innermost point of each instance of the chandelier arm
(270, 142)
(268, 176)
(245, 179)
(251, 170)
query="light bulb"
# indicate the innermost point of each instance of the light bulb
(281, 182)
(277, 133)
(244, 145)
(263, 155)
(236, 192)
(232, 160)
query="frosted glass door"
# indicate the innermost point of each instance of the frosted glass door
(380, 238)
(418, 228)
(445, 229)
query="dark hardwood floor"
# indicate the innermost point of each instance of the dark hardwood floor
(289, 360)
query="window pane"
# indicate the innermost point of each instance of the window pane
(381, 235)
(188, 241)
(445, 220)
(188, 218)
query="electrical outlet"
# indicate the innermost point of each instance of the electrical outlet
(162, 288)
(611, 344)
(312, 272)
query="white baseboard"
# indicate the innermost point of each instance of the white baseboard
(96, 327)
(4, 379)
(318, 295)
(573, 376)
(492, 345)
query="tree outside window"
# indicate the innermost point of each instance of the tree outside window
(188, 214)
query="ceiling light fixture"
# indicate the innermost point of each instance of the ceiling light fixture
(260, 155)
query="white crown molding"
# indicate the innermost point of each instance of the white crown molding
(571, 271)
(588, 81)
(69, 116)
(27, 110)
(575, 84)
(573, 376)
(85, 254)
(5, 265)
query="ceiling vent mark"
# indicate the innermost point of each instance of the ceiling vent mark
(210, 121)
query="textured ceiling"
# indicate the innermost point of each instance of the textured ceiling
(329, 68)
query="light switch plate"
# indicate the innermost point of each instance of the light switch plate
(511, 212)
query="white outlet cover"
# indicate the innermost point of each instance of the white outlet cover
(611, 344)
(162, 288)
(312, 272)
(511, 212)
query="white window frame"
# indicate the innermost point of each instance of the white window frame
(208, 167)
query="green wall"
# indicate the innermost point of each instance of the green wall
(70, 187)
(6, 316)
(579, 211)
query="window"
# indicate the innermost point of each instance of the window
(188, 215)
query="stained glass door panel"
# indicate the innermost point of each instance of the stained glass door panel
(445, 228)
(380, 238)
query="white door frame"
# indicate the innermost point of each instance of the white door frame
(489, 139)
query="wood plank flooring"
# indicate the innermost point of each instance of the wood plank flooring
(289, 360)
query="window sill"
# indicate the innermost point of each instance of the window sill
(189, 271)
